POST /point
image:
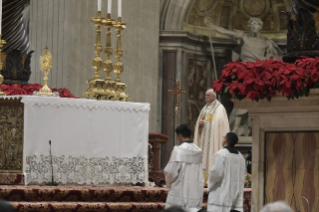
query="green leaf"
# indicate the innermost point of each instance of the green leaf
(226, 89)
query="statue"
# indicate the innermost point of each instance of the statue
(253, 46)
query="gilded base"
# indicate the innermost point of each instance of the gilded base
(122, 96)
(106, 90)
(39, 93)
(95, 90)
(45, 89)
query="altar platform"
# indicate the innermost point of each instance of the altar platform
(92, 198)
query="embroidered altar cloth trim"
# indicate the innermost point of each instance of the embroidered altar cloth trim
(84, 103)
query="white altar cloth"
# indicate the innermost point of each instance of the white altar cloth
(93, 142)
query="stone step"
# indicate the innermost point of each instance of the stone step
(83, 193)
(87, 206)
(109, 194)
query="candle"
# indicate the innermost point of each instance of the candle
(109, 6)
(119, 9)
(99, 5)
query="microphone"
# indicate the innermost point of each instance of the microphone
(52, 182)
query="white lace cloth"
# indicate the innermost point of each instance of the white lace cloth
(93, 142)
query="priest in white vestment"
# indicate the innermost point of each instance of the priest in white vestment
(227, 178)
(184, 175)
(212, 124)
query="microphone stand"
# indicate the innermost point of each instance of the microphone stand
(302, 197)
(52, 182)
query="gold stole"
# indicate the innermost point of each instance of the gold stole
(209, 118)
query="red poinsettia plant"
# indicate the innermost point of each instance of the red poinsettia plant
(262, 79)
(16, 89)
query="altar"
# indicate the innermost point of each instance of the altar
(92, 142)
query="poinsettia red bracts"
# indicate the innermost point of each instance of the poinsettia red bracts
(261, 79)
(28, 89)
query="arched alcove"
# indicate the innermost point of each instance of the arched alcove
(186, 56)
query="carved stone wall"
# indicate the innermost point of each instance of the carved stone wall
(196, 87)
(234, 14)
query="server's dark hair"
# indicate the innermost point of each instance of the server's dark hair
(231, 139)
(184, 130)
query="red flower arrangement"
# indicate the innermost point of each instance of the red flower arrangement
(28, 89)
(261, 79)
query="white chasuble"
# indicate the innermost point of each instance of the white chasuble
(184, 178)
(209, 138)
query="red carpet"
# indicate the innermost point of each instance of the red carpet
(91, 198)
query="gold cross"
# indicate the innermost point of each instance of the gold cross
(177, 92)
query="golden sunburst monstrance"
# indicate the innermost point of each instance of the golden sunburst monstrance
(45, 66)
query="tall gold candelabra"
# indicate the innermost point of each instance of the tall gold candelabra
(107, 89)
(118, 66)
(108, 64)
(2, 43)
(96, 84)
(97, 62)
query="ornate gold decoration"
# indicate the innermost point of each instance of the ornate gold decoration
(209, 118)
(195, 18)
(107, 89)
(177, 92)
(97, 62)
(11, 135)
(316, 18)
(108, 64)
(2, 42)
(248, 8)
(95, 86)
(45, 66)
(118, 66)
(121, 92)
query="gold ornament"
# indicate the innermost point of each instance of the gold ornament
(107, 89)
(45, 66)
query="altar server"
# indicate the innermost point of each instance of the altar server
(184, 175)
(226, 178)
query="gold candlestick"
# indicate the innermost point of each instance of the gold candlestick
(97, 62)
(2, 43)
(118, 66)
(108, 64)
(96, 84)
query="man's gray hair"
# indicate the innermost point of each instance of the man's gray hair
(212, 91)
(279, 206)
